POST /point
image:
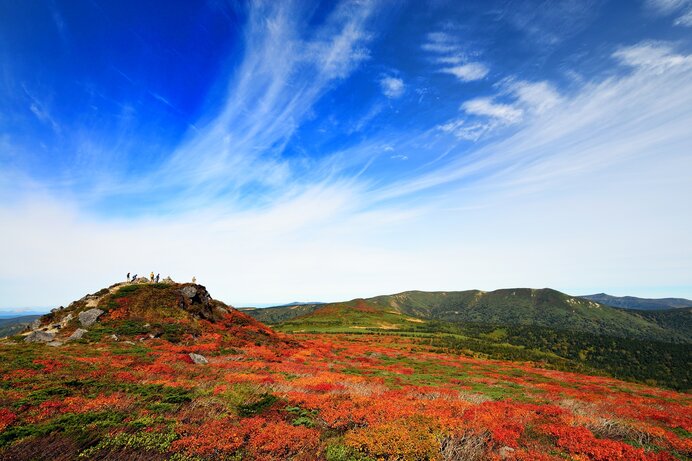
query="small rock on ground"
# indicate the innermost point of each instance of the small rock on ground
(198, 359)
(78, 333)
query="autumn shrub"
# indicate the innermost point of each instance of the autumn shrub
(212, 438)
(280, 441)
(7, 417)
(410, 439)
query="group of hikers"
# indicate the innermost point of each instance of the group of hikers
(152, 279)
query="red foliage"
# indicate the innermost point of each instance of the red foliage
(7, 417)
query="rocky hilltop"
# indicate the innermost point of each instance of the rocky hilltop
(139, 311)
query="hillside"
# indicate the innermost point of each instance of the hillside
(164, 372)
(13, 325)
(522, 306)
(530, 325)
(141, 311)
(324, 398)
(632, 302)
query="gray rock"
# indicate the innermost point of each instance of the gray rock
(505, 452)
(54, 344)
(167, 280)
(39, 337)
(188, 291)
(35, 325)
(78, 333)
(66, 320)
(88, 318)
(198, 359)
(114, 337)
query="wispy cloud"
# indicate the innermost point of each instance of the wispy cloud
(468, 72)
(682, 9)
(642, 113)
(652, 56)
(286, 68)
(488, 108)
(451, 55)
(40, 110)
(392, 87)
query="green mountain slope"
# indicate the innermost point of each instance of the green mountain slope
(12, 326)
(632, 302)
(521, 306)
(540, 326)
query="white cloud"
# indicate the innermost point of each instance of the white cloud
(468, 72)
(684, 20)
(683, 8)
(656, 57)
(286, 68)
(441, 42)
(615, 145)
(488, 108)
(535, 96)
(466, 131)
(667, 6)
(392, 87)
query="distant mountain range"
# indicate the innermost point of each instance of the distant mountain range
(518, 306)
(632, 302)
(12, 326)
(537, 325)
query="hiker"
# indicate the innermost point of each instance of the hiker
(134, 278)
(151, 277)
(194, 280)
(157, 278)
(128, 277)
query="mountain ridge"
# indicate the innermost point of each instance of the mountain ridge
(510, 306)
(634, 302)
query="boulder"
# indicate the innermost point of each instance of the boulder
(198, 359)
(506, 452)
(35, 325)
(39, 337)
(189, 291)
(167, 280)
(78, 333)
(88, 318)
(66, 320)
(54, 344)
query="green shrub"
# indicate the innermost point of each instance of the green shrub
(155, 441)
(265, 401)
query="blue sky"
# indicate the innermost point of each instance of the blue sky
(283, 151)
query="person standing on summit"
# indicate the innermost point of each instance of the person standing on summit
(151, 277)
(128, 277)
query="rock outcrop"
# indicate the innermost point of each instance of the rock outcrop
(78, 333)
(39, 337)
(88, 318)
